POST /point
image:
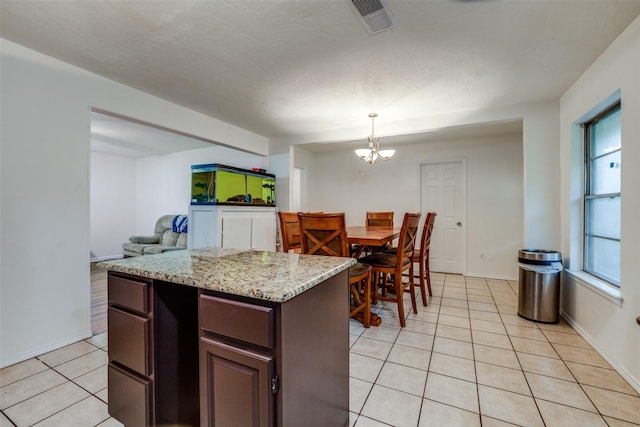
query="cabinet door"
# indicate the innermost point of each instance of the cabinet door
(236, 232)
(202, 228)
(235, 386)
(263, 236)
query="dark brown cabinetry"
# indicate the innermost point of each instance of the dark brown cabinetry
(275, 364)
(130, 396)
(152, 326)
(182, 355)
(237, 363)
(236, 386)
(130, 373)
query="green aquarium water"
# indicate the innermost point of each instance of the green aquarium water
(216, 184)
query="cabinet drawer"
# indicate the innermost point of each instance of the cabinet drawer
(246, 322)
(133, 294)
(129, 396)
(129, 340)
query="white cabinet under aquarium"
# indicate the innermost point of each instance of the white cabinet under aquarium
(232, 208)
(238, 227)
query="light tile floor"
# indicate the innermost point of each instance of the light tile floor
(465, 360)
(66, 387)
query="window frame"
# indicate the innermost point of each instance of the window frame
(588, 195)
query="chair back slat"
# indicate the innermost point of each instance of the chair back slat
(379, 219)
(407, 239)
(323, 234)
(427, 231)
(289, 231)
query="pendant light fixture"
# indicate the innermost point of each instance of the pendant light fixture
(373, 153)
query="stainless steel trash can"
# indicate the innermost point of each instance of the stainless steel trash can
(539, 285)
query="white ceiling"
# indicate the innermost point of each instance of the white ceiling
(113, 135)
(286, 68)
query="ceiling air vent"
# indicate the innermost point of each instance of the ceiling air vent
(375, 16)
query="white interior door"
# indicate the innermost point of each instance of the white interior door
(443, 190)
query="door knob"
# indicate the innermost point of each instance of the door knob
(459, 224)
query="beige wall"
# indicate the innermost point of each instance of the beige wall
(609, 325)
(44, 198)
(494, 218)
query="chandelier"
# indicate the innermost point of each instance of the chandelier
(373, 153)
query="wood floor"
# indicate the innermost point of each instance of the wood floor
(98, 300)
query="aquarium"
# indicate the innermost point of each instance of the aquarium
(216, 184)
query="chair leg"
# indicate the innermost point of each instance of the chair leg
(400, 301)
(412, 290)
(374, 288)
(366, 284)
(383, 283)
(427, 272)
(423, 291)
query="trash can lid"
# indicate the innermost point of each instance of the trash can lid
(539, 255)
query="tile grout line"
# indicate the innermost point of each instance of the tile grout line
(387, 360)
(473, 352)
(67, 380)
(535, 402)
(433, 343)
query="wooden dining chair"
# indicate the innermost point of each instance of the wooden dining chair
(379, 219)
(290, 232)
(421, 256)
(388, 268)
(326, 234)
(374, 219)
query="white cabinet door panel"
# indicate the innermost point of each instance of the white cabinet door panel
(236, 233)
(263, 232)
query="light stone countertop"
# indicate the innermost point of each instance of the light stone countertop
(270, 276)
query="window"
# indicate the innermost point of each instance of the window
(602, 196)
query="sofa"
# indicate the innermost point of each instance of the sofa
(170, 234)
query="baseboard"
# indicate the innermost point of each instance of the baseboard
(491, 276)
(105, 258)
(46, 349)
(623, 372)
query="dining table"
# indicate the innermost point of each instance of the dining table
(369, 238)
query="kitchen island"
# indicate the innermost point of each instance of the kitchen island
(228, 338)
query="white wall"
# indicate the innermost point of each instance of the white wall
(611, 329)
(113, 204)
(305, 161)
(344, 183)
(128, 195)
(279, 166)
(44, 288)
(44, 198)
(540, 152)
